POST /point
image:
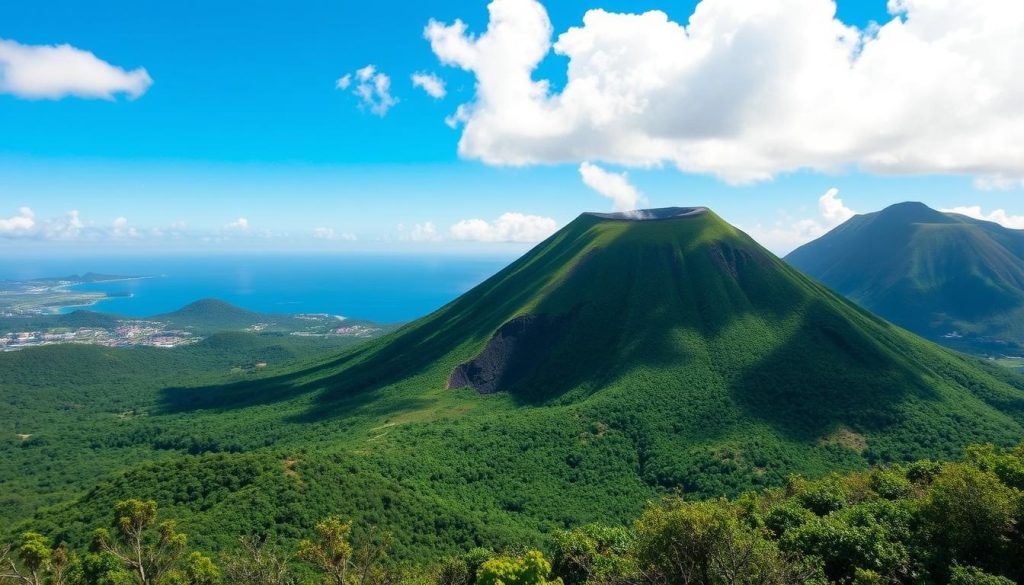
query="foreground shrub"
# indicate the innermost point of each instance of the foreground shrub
(529, 569)
(705, 542)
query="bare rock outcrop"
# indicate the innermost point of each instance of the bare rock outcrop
(510, 355)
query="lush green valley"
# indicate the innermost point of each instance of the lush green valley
(618, 362)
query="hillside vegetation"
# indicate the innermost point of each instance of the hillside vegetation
(921, 523)
(68, 411)
(625, 360)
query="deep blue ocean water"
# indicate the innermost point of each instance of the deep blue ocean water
(385, 289)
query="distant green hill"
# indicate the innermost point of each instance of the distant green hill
(626, 357)
(215, 314)
(212, 315)
(210, 309)
(931, 272)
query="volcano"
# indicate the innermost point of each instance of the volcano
(676, 310)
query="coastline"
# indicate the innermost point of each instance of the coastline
(58, 296)
(68, 288)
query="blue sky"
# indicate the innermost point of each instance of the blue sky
(244, 120)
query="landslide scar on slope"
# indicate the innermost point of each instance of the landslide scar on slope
(512, 353)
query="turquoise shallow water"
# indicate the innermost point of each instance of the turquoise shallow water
(385, 289)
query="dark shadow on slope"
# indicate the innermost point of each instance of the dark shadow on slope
(831, 372)
(254, 392)
(368, 404)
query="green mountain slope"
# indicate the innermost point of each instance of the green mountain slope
(617, 361)
(932, 272)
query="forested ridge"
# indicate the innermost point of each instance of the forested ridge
(920, 523)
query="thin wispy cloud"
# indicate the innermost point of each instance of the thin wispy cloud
(329, 234)
(372, 87)
(997, 182)
(423, 232)
(430, 83)
(69, 227)
(240, 224)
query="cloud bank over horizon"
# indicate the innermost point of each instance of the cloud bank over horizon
(746, 91)
(508, 227)
(73, 228)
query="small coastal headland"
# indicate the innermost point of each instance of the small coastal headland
(52, 295)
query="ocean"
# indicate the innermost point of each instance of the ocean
(385, 289)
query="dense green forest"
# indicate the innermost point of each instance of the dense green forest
(707, 367)
(68, 412)
(923, 523)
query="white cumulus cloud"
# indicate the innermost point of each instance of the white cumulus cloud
(509, 227)
(832, 208)
(372, 87)
(20, 224)
(614, 186)
(432, 84)
(788, 233)
(58, 71)
(999, 216)
(745, 90)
